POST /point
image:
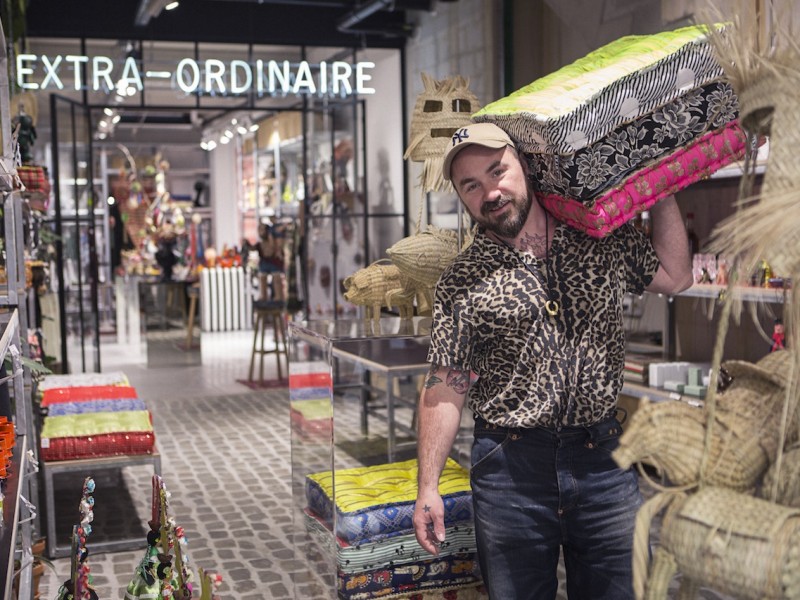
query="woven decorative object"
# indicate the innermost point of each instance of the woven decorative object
(671, 437)
(374, 286)
(441, 108)
(787, 485)
(422, 258)
(733, 542)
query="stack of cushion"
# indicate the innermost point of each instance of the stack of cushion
(627, 125)
(310, 403)
(368, 524)
(93, 415)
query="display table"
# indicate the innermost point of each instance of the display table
(82, 467)
(353, 387)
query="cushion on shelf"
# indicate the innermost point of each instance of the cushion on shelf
(97, 446)
(93, 392)
(96, 423)
(591, 171)
(392, 551)
(312, 415)
(586, 100)
(378, 501)
(60, 409)
(439, 572)
(83, 379)
(647, 186)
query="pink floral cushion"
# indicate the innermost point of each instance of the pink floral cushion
(644, 188)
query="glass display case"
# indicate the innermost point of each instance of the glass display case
(353, 391)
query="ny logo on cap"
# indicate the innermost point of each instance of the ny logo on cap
(460, 135)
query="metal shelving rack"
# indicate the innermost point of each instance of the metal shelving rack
(16, 531)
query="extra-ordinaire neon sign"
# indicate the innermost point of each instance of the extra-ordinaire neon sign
(210, 76)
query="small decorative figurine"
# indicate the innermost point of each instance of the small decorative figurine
(778, 334)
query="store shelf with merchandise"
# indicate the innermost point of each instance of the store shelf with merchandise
(684, 327)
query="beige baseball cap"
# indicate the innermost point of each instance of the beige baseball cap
(483, 134)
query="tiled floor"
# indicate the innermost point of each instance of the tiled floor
(226, 462)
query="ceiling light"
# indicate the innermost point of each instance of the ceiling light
(131, 90)
(103, 124)
(116, 119)
(211, 144)
(171, 6)
(241, 129)
(101, 135)
(254, 127)
(111, 200)
(108, 112)
(228, 133)
(224, 140)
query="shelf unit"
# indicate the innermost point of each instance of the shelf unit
(16, 532)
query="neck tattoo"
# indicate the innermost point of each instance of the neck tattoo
(539, 247)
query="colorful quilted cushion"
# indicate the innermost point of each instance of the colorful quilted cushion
(590, 172)
(61, 409)
(378, 501)
(312, 416)
(83, 379)
(390, 552)
(98, 446)
(649, 185)
(614, 85)
(96, 434)
(434, 573)
(82, 393)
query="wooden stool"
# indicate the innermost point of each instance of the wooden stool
(266, 313)
(193, 291)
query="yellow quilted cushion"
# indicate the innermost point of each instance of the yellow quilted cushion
(365, 487)
(96, 424)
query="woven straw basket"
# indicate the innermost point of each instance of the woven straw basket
(738, 544)
(423, 257)
(671, 437)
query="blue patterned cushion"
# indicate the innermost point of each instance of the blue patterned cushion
(92, 406)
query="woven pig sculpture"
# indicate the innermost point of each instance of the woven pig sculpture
(375, 286)
(672, 435)
(732, 542)
(422, 258)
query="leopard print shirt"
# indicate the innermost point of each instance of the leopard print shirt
(534, 370)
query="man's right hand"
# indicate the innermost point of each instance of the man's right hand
(429, 521)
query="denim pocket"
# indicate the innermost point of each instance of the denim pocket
(605, 436)
(486, 445)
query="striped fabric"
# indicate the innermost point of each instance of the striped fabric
(582, 102)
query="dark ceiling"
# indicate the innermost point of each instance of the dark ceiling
(348, 23)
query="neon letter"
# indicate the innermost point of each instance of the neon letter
(341, 74)
(235, 87)
(215, 70)
(362, 77)
(195, 80)
(304, 78)
(50, 71)
(76, 60)
(22, 71)
(275, 73)
(130, 73)
(104, 72)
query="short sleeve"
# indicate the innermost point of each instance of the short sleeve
(452, 332)
(639, 256)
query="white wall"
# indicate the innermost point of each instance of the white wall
(224, 182)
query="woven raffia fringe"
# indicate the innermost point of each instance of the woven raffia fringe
(787, 486)
(424, 256)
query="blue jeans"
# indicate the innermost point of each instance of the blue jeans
(537, 491)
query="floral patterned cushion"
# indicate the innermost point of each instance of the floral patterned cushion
(587, 174)
(645, 187)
